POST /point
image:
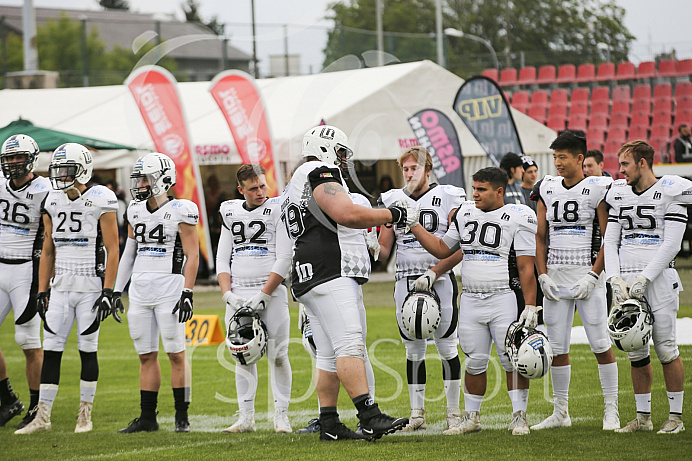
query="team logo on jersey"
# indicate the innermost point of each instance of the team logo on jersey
(504, 217)
(436, 201)
(267, 211)
(167, 216)
(29, 196)
(585, 191)
(549, 192)
(657, 195)
(177, 205)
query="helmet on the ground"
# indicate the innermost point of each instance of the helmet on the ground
(247, 336)
(421, 313)
(152, 175)
(70, 163)
(18, 144)
(529, 351)
(630, 325)
(328, 144)
(306, 332)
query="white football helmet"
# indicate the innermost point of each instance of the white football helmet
(247, 336)
(306, 332)
(70, 163)
(421, 314)
(152, 175)
(630, 325)
(18, 144)
(529, 351)
(329, 144)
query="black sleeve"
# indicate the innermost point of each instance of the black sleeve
(536, 192)
(679, 151)
(323, 175)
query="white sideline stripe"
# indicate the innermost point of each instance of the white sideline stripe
(176, 446)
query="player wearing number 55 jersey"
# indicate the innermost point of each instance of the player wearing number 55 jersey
(253, 258)
(646, 223)
(571, 218)
(162, 255)
(21, 238)
(487, 230)
(80, 253)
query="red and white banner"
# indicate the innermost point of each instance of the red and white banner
(156, 94)
(235, 93)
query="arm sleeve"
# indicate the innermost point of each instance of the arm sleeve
(676, 223)
(611, 242)
(127, 262)
(525, 243)
(224, 252)
(284, 251)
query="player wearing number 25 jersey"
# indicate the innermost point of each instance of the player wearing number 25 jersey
(162, 255)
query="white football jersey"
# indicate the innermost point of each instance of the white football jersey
(573, 228)
(159, 248)
(80, 257)
(486, 238)
(20, 218)
(323, 249)
(642, 219)
(256, 234)
(436, 204)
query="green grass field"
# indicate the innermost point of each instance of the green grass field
(212, 408)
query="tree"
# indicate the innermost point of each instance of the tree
(191, 11)
(114, 4)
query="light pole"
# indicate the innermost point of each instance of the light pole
(458, 33)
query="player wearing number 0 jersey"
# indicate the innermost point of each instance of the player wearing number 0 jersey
(413, 262)
(646, 222)
(569, 258)
(21, 238)
(253, 258)
(79, 261)
(162, 256)
(486, 231)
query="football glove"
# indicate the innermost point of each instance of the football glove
(42, 303)
(372, 243)
(259, 302)
(585, 285)
(638, 288)
(117, 307)
(404, 214)
(549, 287)
(232, 301)
(103, 304)
(529, 316)
(621, 290)
(425, 281)
(184, 306)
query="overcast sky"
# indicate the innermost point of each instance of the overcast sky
(657, 26)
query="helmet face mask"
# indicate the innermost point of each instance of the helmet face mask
(152, 175)
(630, 325)
(15, 147)
(421, 314)
(247, 336)
(70, 163)
(529, 351)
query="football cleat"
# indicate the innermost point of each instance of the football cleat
(673, 425)
(281, 423)
(40, 423)
(417, 421)
(84, 423)
(335, 430)
(611, 417)
(642, 423)
(375, 424)
(559, 418)
(470, 423)
(9, 411)
(245, 423)
(140, 425)
(312, 427)
(519, 425)
(453, 417)
(30, 415)
(182, 424)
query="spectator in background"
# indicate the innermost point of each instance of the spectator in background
(593, 163)
(514, 167)
(683, 145)
(528, 180)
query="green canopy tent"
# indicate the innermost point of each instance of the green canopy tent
(49, 140)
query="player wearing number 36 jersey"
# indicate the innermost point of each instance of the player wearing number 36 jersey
(162, 255)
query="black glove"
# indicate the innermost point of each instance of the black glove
(398, 215)
(184, 306)
(117, 307)
(42, 303)
(103, 304)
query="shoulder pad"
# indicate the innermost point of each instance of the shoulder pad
(453, 190)
(391, 196)
(673, 185)
(603, 181)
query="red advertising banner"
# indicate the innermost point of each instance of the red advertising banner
(235, 93)
(155, 92)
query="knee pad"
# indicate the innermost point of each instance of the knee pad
(447, 347)
(349, 345)
(600, 346)
(50, 371)
(415, 349)
(28, 335)
(475, 366)
(326, 363)
(416, 372)
(641, 362)
(90, 366)
(667, 351)
(451, 369)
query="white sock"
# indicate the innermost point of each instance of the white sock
(416, 393)
(47, 393)
(87, 390)
(643, 403)
(472, 402)
(519, 399)
(560, 377)
(282, 379)
(453, 392)
(246, 386)
(370, 376)
(675, 402)
(608, 374)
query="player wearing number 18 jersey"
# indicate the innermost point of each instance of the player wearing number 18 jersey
(162, 255)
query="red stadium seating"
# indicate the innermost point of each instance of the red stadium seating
(567, 73)
(610, 159)
(646, 69)
(599, 120)
(546, 75)
(600, 100)
(556, 123)
(606, 72)
(538, 113)
(586, 73)
(508, 77)
(595, 137)
(618, 134)
(641, 99)
(659, 145)
(520, 101)
(619, 119)
(640, 118)
(492, 74)
(622, 93)
(660, 131)
(577, 121)
(560, 97)
(684, 68)
(557, 110)
(539, 98)
(663, 91)
(683, 89)
(527, 76)
(620, 107)
(662, 117)
(683, 116)
(625, 71)
(580, 98)
(638, 132)
(666, 68)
